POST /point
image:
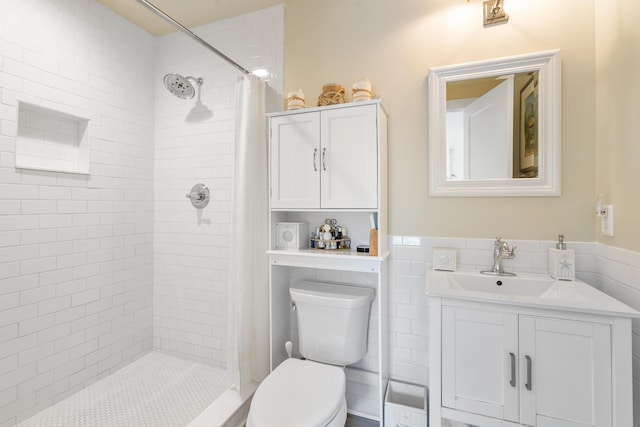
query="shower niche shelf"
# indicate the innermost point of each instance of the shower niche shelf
(51, 140)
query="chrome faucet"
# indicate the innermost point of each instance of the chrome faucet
(501, 250)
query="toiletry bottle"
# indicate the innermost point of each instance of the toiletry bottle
(562, 261)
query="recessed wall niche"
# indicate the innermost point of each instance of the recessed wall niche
(51, 140)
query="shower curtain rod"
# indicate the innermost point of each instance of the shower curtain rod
(188, 32)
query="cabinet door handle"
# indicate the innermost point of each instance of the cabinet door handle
(513, 370)
(315, 156)
(528, 384)
(324, 159)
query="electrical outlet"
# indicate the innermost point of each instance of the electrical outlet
(606, 227)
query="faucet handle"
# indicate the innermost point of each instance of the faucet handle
(508, 252)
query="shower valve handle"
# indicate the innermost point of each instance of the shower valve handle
(199, 196)
(196, 195)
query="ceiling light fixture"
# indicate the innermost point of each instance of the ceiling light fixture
(494, 13)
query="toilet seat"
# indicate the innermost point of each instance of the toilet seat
(300, 393)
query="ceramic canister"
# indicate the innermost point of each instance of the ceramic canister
(361, 91)
(295, 100)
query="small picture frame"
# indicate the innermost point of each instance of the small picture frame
(529, 129)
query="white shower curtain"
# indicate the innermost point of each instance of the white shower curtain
(248, 291)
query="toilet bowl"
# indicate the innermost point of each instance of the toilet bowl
(332, 331)
(300, 393)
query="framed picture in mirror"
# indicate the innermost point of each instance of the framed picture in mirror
(529, 129)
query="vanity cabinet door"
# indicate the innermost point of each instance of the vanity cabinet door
(565, 371)
(349, 151)
(479, 362)
(294, 152)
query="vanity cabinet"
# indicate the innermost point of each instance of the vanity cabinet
(534, 370)
(330, 162)
(518, 362)
(325, 158)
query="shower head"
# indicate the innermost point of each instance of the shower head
(180, 86)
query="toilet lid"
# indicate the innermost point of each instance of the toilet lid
(299, 393)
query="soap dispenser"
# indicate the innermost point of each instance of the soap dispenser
(562, 261)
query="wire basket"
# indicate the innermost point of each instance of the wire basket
(331, 245)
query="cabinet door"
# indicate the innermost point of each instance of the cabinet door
(294, 152)
(479, 356)
(565, 371)
(349, 151)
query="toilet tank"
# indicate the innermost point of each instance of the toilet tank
(333, 321)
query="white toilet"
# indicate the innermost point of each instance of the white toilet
(332, 333)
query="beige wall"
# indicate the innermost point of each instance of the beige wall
(618, 116)
(394, 43)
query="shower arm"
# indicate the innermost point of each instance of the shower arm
(188, 32)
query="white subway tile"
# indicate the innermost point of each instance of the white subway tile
(38, 207)
(55, 276)
(52, 333)
(35, 353)
(37, 236)
(53, 305)
(34, 384)
(48, 363)
(8, 364)
(9, 207)
(31, 296)
(63, 317)
(8, 332)
(18, 222)
(71, 260)
(55, 248)
(51, 192)
(18, 253)
(38, 265)
(72, 207)
(55, 221)
(35, 324)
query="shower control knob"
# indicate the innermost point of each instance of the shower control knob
(199, 196)
(196, 195)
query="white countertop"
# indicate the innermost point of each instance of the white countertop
(574, 296)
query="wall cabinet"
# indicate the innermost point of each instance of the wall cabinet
(504, 365)
(330, 162)
(325, 159)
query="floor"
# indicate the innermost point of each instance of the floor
(353, 421)
(157, 390)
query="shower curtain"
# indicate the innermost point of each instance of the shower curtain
(248, 291)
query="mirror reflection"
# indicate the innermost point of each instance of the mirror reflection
(492, 127)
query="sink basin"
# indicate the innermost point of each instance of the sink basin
(501, 285)
(525, 289)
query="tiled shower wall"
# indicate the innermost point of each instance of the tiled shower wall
(75, 250)
(194, 144)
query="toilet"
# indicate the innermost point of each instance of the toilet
(332, 333)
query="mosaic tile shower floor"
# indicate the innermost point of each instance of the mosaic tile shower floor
(154, 391)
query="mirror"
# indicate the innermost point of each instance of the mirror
(494, 127)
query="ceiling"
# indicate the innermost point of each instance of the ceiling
(189, 13)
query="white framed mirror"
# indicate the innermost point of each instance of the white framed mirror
(495, 127)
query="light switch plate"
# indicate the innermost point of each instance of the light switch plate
(445, 259)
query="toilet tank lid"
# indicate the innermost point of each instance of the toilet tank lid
(330, 295)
